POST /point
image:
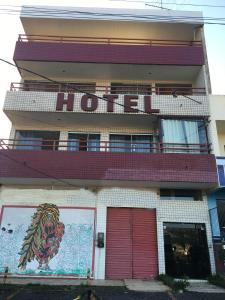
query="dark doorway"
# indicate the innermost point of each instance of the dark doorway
(186, 250)
(221, 217)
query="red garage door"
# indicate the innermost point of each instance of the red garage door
(131, 244)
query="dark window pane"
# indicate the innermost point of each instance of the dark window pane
(83, 142)
(133, 89)
(37, 140)
(180, 194)
(120, 143)
(177, 88)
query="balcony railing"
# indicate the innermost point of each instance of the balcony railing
(106, 146)
(139, 89)
(105, 40)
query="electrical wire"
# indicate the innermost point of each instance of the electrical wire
(43, 12)
(71, 86)
(171, 3)
(62, 83)
(81, 91)
(24, 164)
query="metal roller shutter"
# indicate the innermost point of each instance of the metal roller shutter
(131, 244)
(118, 244)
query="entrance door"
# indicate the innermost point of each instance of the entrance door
(186, 250)
(131, 244)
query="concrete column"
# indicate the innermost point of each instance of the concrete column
(100, 253)
(63, 137)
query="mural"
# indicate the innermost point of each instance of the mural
(47, 240)
(43, 237)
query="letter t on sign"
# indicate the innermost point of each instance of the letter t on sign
(68, 102)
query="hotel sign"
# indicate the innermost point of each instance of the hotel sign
(89, 103)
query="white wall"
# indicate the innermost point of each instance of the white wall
(217, 112)
(167, 211)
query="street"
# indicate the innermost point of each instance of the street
(36, 292)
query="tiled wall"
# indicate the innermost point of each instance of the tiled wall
(46, 102)
(167, 211)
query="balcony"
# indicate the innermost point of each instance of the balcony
(109, 163)
(93, 55)
(33, 99)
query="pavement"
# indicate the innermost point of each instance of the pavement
(69, 289)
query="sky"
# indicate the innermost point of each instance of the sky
(10, 27)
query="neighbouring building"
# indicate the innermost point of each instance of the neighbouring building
(216, 198)
(108, 165)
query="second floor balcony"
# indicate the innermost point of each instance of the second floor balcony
(108, 163)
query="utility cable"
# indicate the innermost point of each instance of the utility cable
(43, 12)
(71, 86)
(174, 93)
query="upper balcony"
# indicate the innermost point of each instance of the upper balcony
(106, 50)
(107, 43)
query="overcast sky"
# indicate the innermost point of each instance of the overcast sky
(11, 27)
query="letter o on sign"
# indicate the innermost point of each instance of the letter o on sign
(89, 102)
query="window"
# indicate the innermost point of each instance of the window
(37, 140)
(180, 194)
(131, 89)
(84, 142)
(169, 89)
(184, 136)
(131, 143)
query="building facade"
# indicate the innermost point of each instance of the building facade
(108, 164)
(216, 198)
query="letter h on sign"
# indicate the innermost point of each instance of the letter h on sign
(62, 101)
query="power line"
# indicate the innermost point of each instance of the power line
(84, 92)
(189, 4)
(70, 86)
(171, 3)
(43, 12)
(24, 164)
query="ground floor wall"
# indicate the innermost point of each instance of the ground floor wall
(216, 203)
(83, 210)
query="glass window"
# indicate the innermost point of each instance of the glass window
(184, 136)
(180, 194)
(131, 89)
(131, 143)
(84, 142)
(37, 140)
(169, 89)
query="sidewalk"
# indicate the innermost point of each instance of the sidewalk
(204, 287)
(196, 286)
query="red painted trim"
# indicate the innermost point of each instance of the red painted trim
(1, 214)
(61, 207)
(94, 241)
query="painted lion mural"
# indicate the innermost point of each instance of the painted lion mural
(43, 237)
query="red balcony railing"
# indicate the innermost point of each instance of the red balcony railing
(106, 146)
(105, 40)
(138, 89)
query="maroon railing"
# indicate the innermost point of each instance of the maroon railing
(109, 146)
(139, 89)
(106, 40)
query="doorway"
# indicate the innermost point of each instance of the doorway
(186, 250)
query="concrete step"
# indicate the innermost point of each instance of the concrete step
(204, 287)
(145, 285)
